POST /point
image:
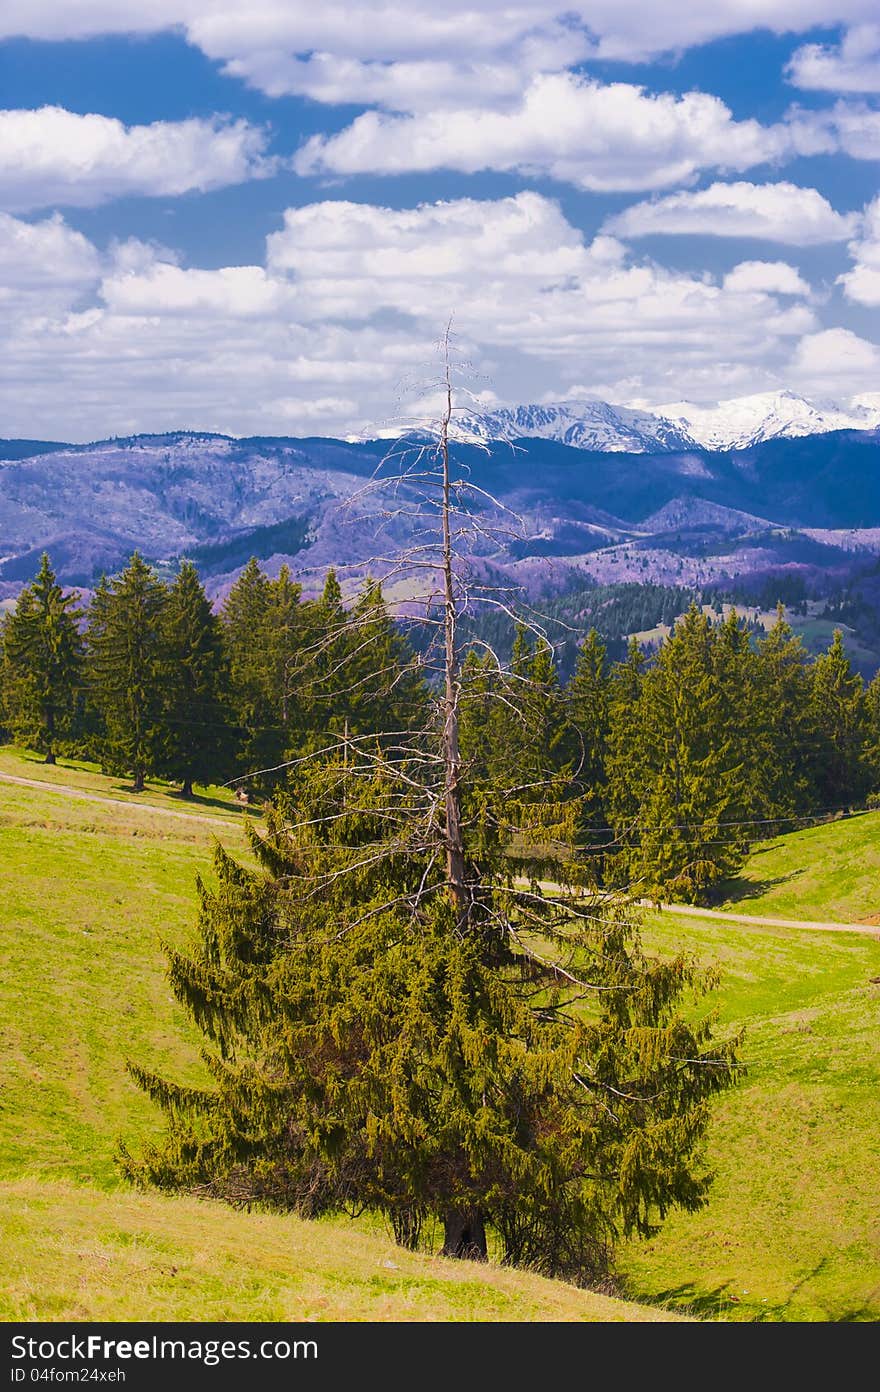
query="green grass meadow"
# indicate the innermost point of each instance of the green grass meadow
(826, 872)
(89, 891)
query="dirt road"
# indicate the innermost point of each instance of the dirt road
(685, 910)
(753, 920)
(67, 791)
(748, 920)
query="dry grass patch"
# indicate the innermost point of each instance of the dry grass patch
(78, 1254)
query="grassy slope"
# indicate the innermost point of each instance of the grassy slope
(828, 872)
(793, 1227)
(88, 891)
(82, 1254)
(214, 801)
(792, 1230)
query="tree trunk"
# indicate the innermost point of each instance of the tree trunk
(50, 757)
(464, 1236)
(456, 870)
(139, 780)
(187, 789)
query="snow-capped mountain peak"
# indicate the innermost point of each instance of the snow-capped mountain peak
(747, 420)
(589, 425)
(728, 425)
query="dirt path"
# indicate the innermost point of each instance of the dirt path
(752, 920)
(748, 920)
(684, 910)
(66, 790)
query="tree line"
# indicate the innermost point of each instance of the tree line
(668, 766)
(150, 681)
(673, 765)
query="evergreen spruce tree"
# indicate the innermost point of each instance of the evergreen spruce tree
(42, 661)
(285, 640)
(5, 733)
(384, 689)
(737, 671)
(358, 674)
(196, 744)
(839, 730)
(588, 695)
(326, 661)
(127, 668)
(480, 733)
(94, 726)
(872, 731)
(369, 1055)
(254, 692)
(687, 777)
(626, 767)
(392, 1024)
(517, 744)
(781, 733)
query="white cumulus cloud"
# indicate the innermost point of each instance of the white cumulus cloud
(834, 363)
(853, 65)
(339, 325)
(45, 267)
(779, 212)
(766, 277)
(857, 128)
(600, 137)
(51, 157)
(258, 41)
(862, 283)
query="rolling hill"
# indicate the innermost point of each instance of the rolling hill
(794, 516)
(791, 1231)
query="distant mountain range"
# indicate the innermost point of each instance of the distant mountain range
(729, 425)
(795, 513)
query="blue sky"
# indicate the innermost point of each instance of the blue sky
(261, 221)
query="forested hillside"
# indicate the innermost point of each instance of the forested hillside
(677, 758)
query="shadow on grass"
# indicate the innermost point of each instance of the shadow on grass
(740, 891)
(717, 1304)
(204, 800)
(865, 1313)
(198, 800)
(194, 803)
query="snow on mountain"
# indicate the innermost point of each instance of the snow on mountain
(588, 425)
(736, 424)
(747, 420)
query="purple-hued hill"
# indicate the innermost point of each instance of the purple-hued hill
(683, 516)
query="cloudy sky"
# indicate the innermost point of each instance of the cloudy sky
(259, 219)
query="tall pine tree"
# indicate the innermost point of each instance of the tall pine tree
(392, 1025)
(43, 664)
(196, 734)
(781, 733)
(588, 696)
(246, 620)
(683, 786)
(127, 668)
(838, 728)
(626, 767)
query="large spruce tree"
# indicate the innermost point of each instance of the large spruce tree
(393, 1023)
(128, 670)
(780, 727)
(42, 660)
(681, 771)
(587, 697)
(196, 735)
(872, 732)
(837, 716)
(246, 618)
